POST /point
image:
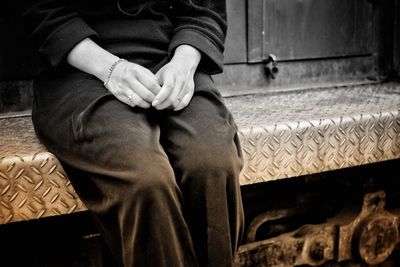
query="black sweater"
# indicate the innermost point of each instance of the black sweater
(140, 30)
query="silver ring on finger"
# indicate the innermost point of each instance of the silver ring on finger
(130, 96)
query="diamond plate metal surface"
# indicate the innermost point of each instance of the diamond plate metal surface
(305, 132)
(33, 183)
(283, 135)
(33, 187)
(307, 147)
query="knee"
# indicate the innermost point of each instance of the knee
(154, 178)
(155, 182)
(208, 164)
(149, 181)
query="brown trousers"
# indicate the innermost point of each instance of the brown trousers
(163, 185)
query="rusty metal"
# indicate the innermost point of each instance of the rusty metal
(377, 238)
(371, 236)
(264, 218)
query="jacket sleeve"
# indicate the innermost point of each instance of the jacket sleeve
(53, 27)
(203, 26)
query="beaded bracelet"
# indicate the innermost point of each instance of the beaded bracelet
(110, 70)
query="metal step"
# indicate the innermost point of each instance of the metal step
(283, 135)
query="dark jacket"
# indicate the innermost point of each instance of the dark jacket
(140, 30)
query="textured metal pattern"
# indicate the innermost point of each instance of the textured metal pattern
(300, 133)
(33, 183)
(33, 187)
(283, 135)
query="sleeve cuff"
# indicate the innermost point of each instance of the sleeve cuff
(212, 57)
(60, 42)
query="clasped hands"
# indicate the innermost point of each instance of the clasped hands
(172, 87)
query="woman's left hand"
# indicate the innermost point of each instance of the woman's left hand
(176, 79)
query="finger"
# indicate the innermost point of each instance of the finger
(173, 96)
(159, 76)
(135, 99)
(167, 87)
(185, 101)
(150, 81)
(183, 92)
(141, 90)
(125, 99)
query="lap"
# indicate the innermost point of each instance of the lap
(84, 125)
(204, 133)
(88, 128)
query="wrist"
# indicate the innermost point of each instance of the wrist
(111, 69)
(91, 58)
(102, 70)
(188, 56)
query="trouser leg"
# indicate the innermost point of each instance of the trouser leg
(204, 149)
(124, 178)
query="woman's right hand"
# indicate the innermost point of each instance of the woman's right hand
(129, 82)
(133, 84)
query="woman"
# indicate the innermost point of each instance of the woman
(128, 105)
